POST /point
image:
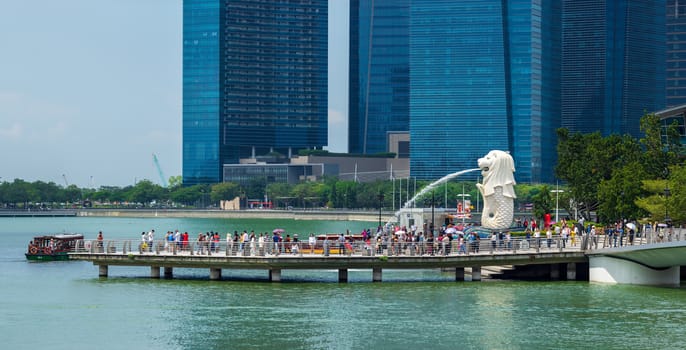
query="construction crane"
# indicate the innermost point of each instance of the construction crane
(163, 180)
(66, 183)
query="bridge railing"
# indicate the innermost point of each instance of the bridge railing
(332, 248)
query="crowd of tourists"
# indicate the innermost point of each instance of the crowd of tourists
(402, 240)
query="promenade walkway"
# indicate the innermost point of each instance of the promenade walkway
(275, 257)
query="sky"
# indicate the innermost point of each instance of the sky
(91, 89)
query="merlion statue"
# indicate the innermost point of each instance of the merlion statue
(497, 169)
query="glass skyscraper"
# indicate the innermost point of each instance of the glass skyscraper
(254, 80)
(483, 77)
(505, 74)
(613, 68)
(676, 53)
(379, 73)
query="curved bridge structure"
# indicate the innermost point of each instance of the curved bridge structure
(650, 264)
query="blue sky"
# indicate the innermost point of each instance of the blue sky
(90, 89)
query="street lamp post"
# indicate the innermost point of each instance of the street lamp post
(557, 202)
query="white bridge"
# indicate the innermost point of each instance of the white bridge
(649, 264)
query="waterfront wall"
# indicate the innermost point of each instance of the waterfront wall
(335, 215)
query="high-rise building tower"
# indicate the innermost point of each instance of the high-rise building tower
(378, 73)
(483, 77)
(254, 81)
(613, 64)
(676, 53)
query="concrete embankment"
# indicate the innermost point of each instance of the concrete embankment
(336, 215)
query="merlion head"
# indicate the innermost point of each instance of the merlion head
(497, 169)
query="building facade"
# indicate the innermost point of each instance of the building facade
(613, 64)
(676, 53)
(505, 74)
(378, 73)
(483, 77)
(255, 81)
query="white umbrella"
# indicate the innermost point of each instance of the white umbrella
(400, 232)
(631, 226)
(450, 230)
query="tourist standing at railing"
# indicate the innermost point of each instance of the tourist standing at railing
(341, 244)
(260, 244)
(229, 243)
(537, 237)
(549, 236)
(276, 239)
(594, 237)
(100, 242)
(144, 241)
(199, 242)
(151, 239)
(312, 241)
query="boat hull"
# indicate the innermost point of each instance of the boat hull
(47, 257)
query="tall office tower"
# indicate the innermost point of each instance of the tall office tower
(676, 53)
(378, 73)
(613, 64)
(254, 81)
(483, 76)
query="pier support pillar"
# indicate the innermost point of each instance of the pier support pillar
(571, 271)
(376, 274)
(606, 269)
(154, 271)
(215, 274)
(459, 274)
(102, 270)
(343, 275)
(476, 273)
(275, 275)
(555, 272)
(168, 272)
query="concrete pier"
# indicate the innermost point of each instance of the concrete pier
(554, 272)
(571, 271)
(476, 273)
(275, 275)
(343, 275)
(102, 270)
(376, 274)
(168, 272)
(215, 274)
(154, 271)
(459, 274)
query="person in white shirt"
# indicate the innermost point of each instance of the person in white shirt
(312, 241)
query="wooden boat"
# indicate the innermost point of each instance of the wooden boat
(52, 247)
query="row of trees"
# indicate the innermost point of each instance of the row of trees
(606, 178)
(620, 177)
(328, 193)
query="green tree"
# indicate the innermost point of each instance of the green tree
(660, 153)
(584, 160)
(617, 195)
(145, 191)
(175, 181)
(542, 200)
(224, 191)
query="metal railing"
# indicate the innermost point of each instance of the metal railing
(455, 247)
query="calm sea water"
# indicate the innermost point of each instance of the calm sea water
(64, 305)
